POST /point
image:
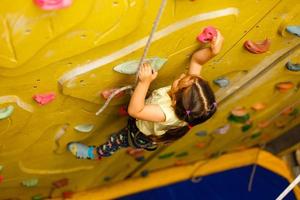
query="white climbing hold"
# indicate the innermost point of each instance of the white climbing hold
(6, 112)
(84, 128)
(30, 182)
(131, 67)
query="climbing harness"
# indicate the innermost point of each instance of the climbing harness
(154, 27)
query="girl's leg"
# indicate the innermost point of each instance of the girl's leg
(115, 142)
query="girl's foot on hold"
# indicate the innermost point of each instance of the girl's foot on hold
(82, 151)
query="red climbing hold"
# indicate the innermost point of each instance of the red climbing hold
(1, 178)
(123, 111)
(258, 47)
(52, 4)
(106, 93)
(67, 194)
(45, 98)
(207, 34)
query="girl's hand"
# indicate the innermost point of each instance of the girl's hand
(146, 73)
(216, 43)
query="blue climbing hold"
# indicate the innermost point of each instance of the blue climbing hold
(292, 67)
(294, 30)
(221, 82)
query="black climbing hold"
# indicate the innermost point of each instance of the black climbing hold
(292, 67)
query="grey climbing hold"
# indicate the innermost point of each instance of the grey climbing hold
(84, 128)
(201, 133)
(292, 67)
(294, 30)
(30, 182)
(131, 67)
(6, 112)
(221, 82)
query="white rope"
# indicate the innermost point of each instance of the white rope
(154, 27)
(289, 188)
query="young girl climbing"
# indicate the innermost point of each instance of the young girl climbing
(167, 114)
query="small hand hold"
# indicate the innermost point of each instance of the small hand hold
(61, 183)
(52, 4)
(293, 67)
(45, 98)
(258, 106)
(207, 34)
(6, 112)
(284, 86)
(221, 82)
(30, 182)
(294, 30)
(258, 47)
(84, 128)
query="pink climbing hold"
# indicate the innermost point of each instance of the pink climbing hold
(52, 4)
(207, 34)
(257, 47)
(45, 98)
(106, 93)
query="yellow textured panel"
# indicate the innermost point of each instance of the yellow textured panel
(72, 52)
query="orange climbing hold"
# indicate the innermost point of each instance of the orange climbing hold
(45, 98)
(287, 110)
(258, 106)
(257, 47)
(284, 86)
(239, 111)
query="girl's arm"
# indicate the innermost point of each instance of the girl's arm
(203, 55)
(137, 107)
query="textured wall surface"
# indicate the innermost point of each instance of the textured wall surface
(71, 52)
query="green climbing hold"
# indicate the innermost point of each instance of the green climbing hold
(30, 182)
(166, 155)
(292, 67)
(6, 112)
(246, 127)
(182, 154)
(221, 82)
(131, 67)
(255, 135)
(84, 128)
(238, 119)
(37, 197)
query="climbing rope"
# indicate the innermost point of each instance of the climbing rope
(154, 27)
(289, 188)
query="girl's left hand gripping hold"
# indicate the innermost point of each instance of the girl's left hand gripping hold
(146, 73)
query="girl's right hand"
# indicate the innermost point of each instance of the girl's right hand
(146, 73)
(216, 43)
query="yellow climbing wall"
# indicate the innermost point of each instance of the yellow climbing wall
(72, 51)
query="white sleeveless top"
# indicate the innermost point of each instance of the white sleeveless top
(160, 97)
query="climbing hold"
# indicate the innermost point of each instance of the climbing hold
(247, 126)
(67, 194)
(223, 130)
(84, 128)
(239, 115)
(107, 178)
(30, 182)
(52, 4)
(6, 112)
(292, 67)
(207, 34)
(37, 197)
(45, 98)
(131, 67)
(144, 173)
(263, 124)
(106, 93)
(258, 106)
(60, 183)
(221, 82)
(294, 30)
(123, 111)
(280, 124)
(182, 154)
(284, 86)
(201, 133)
(255, 135)
(259, 47)
(295, 112)
(180, 163)
(140, 159)
(287, 111)
(166, 155)
(1, 178)
(201, 145)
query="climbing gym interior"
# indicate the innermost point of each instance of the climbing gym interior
(63, 62)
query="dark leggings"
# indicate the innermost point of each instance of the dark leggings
(126, 137)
